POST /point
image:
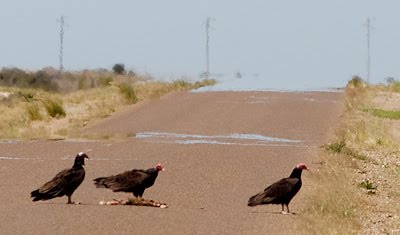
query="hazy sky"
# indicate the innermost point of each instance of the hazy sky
(320, 42)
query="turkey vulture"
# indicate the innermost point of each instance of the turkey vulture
(134, 181)
(64, 183)
(282, 191)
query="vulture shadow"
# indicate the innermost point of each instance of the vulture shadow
(273, 212)
(65, 204)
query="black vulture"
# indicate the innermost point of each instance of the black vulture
(282, 191)
(64, 183)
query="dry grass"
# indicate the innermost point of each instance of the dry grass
(37, 114)
(151, 90)
(356, 187)
(332, 205)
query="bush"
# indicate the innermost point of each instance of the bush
(205, 82)
(82, 84)
(238, 74)
(340, 147)
(367, 185)
(44, 80)
(105, 81)
(356, 82)
(354, 88)
(26, 95)
(395, 86)
(54, 109)
(181, 84)
(33, 111)
(17, 77)
(119, 68)
(129, 93)
(390, 80)
(10, 76)
(132, 73)
(336, 147)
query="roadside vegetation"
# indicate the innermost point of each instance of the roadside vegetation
(356, 189)
(48, 105)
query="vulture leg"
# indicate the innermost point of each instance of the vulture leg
(69, 200)
(287, 207)
(283, 210)
(138, 194)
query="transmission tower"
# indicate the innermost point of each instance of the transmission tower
(208, 20)
(62, 22)
(369, 27)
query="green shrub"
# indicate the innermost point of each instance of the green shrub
(27, 96)
(54, 109)
(367, 185)
(128, 92)
(391, 114)
(33, 111)
(340, 147)
(337, 147)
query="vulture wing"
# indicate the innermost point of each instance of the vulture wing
(64, 183)
(124, 182)
(276, 193)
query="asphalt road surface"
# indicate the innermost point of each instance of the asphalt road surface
(218, 150)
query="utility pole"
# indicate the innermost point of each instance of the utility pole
(369, 27)
(62, 22)
(208, 20)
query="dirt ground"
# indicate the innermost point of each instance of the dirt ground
(210, 173)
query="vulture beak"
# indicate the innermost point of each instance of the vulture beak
(159, 167)
(84, 155)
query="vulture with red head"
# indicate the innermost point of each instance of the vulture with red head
(282, 191)
(134, 181)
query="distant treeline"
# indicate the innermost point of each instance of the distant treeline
(19, 78)
(50, 79)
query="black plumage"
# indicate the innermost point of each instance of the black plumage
(282, 191)
(64, 183)
(134, 181)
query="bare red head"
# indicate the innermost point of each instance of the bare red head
(301, 166)
(159, 167)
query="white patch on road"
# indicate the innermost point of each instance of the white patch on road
(232, 139)
(10, 158)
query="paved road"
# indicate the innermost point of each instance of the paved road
(218, 149)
